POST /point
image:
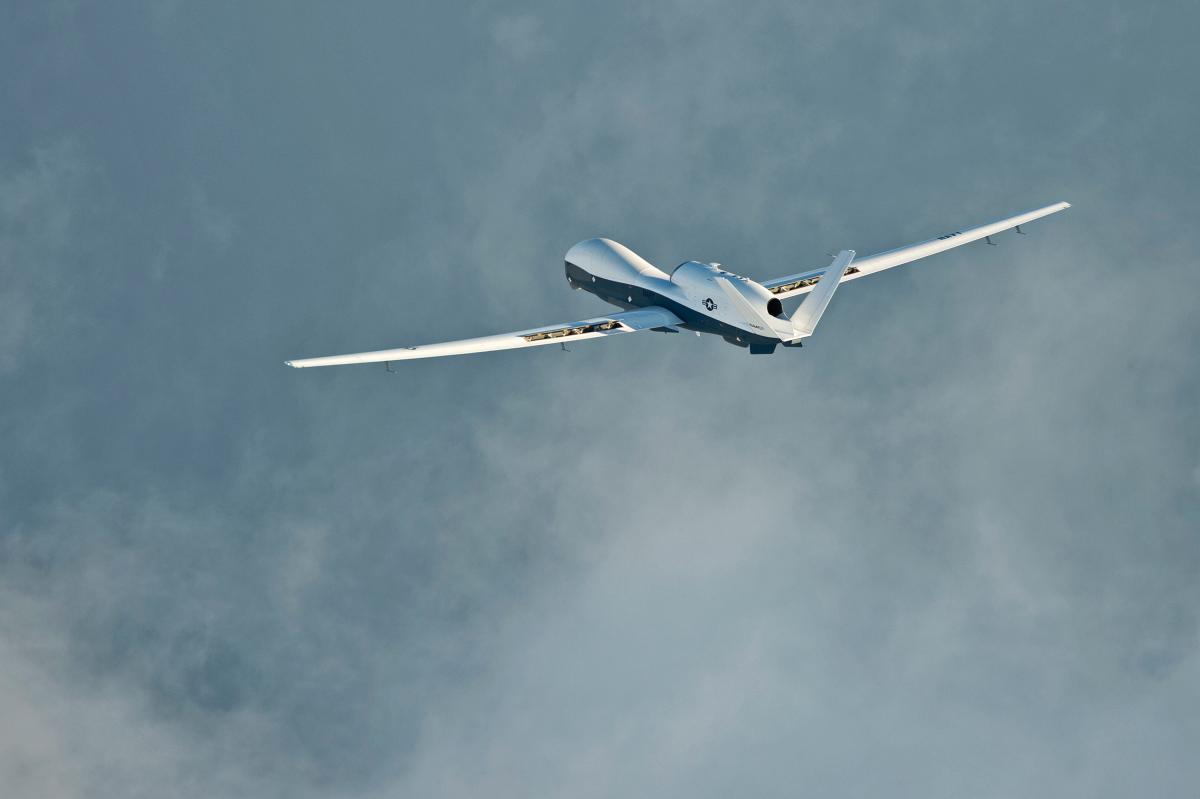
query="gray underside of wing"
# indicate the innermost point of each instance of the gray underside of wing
(613, 324)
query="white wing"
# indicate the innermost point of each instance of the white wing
(803, 282)
(624, 322)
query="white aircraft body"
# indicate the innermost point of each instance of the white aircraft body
(695, 296)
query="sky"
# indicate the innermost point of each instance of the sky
(951, 547)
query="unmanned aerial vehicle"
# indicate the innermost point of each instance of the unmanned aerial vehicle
(701, 297)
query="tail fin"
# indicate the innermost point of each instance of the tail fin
(804, 320)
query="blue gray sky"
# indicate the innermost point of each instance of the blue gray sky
(950, 549)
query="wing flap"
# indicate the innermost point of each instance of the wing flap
(803, 282)
(625, 322)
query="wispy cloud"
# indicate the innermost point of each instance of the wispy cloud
(39, 203)
(948, 549)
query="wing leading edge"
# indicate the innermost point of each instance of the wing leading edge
(625, 322)
(803, 282)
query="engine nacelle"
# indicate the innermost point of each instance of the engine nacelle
(698, 282)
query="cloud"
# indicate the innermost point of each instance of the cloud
(68, 735)
(519, 37)
(39, 204)
(947, 549)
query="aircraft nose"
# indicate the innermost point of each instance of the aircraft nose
(586, 250)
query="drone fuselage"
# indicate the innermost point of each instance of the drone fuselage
(621, 277)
